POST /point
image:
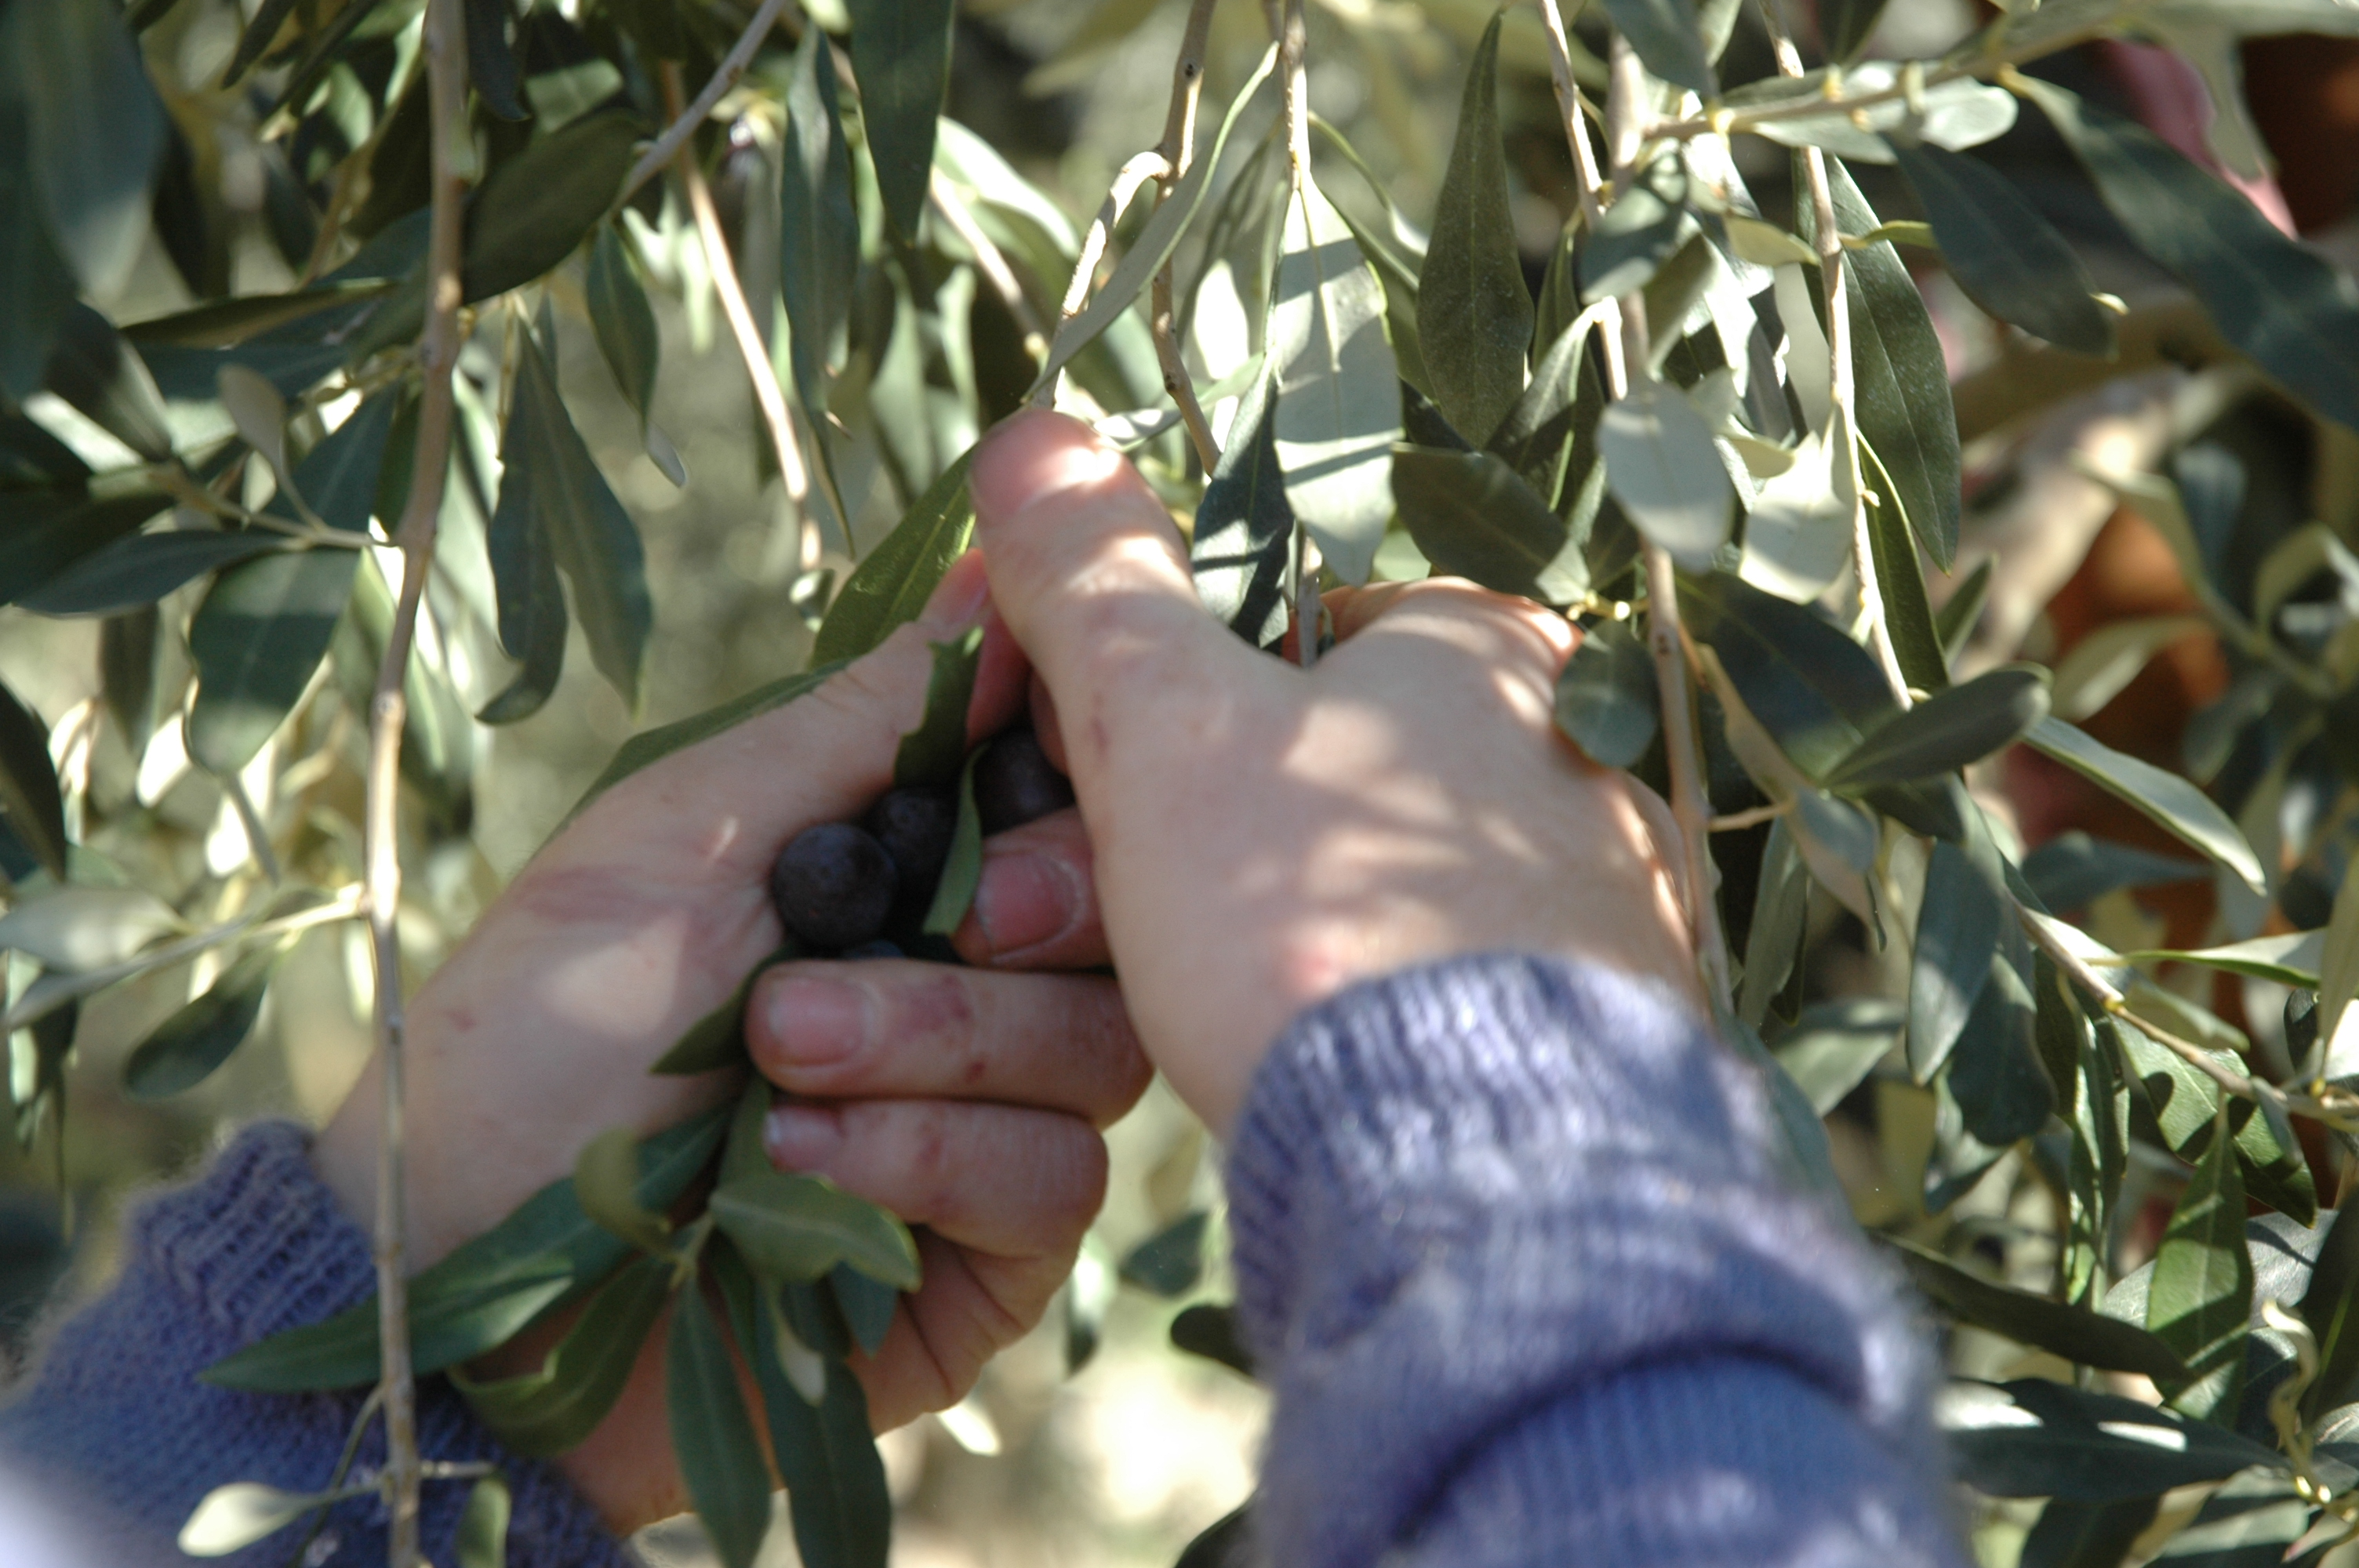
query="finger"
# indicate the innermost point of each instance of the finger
(729, 801)
(1036, 905)
(1436, 635)
(1011, 1181)
(1088, 569)
(900, 1030)
(1045, 726)
(972, 1306)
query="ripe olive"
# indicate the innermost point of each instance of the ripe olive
(1014, 784)
(833, 886)
(916, 825)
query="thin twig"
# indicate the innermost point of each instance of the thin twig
(1625, 108)
(1736, 821)
(993, 263)
(1178, 147)
(1834, 279)
(1293, 42)
(1569, 104)
(437, 356)
(768, 396)
(685, 121)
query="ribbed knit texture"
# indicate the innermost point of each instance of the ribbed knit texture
(117, 1421)
(1513, 1250)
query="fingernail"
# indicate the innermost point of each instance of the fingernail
(1033, 455)
(798, 1137)
(1023, 900)
(957, 601)
(816, 1022)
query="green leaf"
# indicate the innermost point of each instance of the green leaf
(868, 1305)
(490, 63)
(1958, 114)
(818, 244)
(892, 583)
(530, 602)
(1900, 581)
(539, 204)
(2073, 869)
(1243, 540)
(2327, 1306)
(483, 1525)
(720, 1457)
(2291, 959)
(2110, 656)
(96, 369)
(581, 525)
(96, 130)
(2202, 1295)
(1472, 306)
(235, 1516)
(261, 630)
(1948, 730)
(2097, 1107)
(797, 1227)
(2082, 1338)
(2034, 1439)
(841, 1512)
(544, 1254)
(51, 529)
(1844, 24)
(269, 18)
(264, 626)
(1994, 1073)
(1550, 434)
(31, 805)
(1959, 927)
(1669, 40)
(2086, 1535)
(1211, 1330)
(901, 58)
(1472, 517)
(36, 288)
(1607, 700)
(552, 1408)
(718, 1039)
(2254, 1521)
(1903, 396)
(605, 1174)
(2008, 258)
(1812, 687)
(1963, 610)
(224, 323)
(1661, 465)
(183, 1052)
(962, 869)
(2170, 802)
(1643, 229)
(934, 752)
(1339, 408)
(1797, 532)
(140, 568)
(1169, 1263)
(620, 316)
(2178, 1103)
(1834, 1045)
(2283, 305)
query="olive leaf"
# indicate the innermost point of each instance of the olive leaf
(2200, 1295)
(183, 1051)
(797, 1227)
(552, 1408)
(1473, 313)
(720, 1457)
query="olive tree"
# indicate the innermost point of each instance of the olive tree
(1720, 436)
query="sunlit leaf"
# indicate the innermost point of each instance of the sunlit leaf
(799, 1228)
(2036, 1439)
(605, 1178)
(235, 1516)
(1242, 544)
(1948, 730)
(94, 369)
(1607, 700)
(2173, 804)
(1662, 465)
(1339, 407)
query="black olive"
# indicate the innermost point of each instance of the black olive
(833, 886)
(1014, 784)
(915, 826)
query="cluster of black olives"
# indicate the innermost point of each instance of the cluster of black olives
(843, 887)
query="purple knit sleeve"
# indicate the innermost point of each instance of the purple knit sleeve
(117, 1420)
(1514, 1254)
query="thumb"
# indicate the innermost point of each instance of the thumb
(1088, 571)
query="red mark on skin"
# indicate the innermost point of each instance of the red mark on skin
(934, 1009)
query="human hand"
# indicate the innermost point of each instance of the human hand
(965, 1099)
(1266, 836)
